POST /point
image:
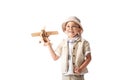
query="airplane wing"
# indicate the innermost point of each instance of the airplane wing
(48, 33)
(35, 34)
(52, 32)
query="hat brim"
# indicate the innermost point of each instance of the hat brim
(64, 24)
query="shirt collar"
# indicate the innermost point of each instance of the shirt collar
(76, 38)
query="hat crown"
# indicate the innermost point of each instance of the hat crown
(73, 18)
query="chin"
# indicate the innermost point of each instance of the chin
(71, 36)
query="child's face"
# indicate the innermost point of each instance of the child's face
(72, 29)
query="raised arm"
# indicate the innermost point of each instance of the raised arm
(50, 48)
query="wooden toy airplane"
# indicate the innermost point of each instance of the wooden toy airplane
(44, 34)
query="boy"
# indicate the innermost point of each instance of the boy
(74, 51)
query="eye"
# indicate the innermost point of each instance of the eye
(68, 26)
(75, 26)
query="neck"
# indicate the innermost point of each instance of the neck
(74, 36)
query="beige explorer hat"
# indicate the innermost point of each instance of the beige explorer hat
(73, 19)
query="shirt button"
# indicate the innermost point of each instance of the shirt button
(73, 55)
(73, 63)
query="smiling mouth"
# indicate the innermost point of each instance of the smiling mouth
(70, 32)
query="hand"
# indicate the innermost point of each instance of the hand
(77, 70)
(46, 42)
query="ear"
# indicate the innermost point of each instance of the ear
(79, 31)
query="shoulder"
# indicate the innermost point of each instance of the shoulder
(84, 41)
(63, 41)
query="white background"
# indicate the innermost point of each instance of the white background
(23, 58)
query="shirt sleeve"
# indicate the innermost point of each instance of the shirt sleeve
(58, 50)
(86, 47)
